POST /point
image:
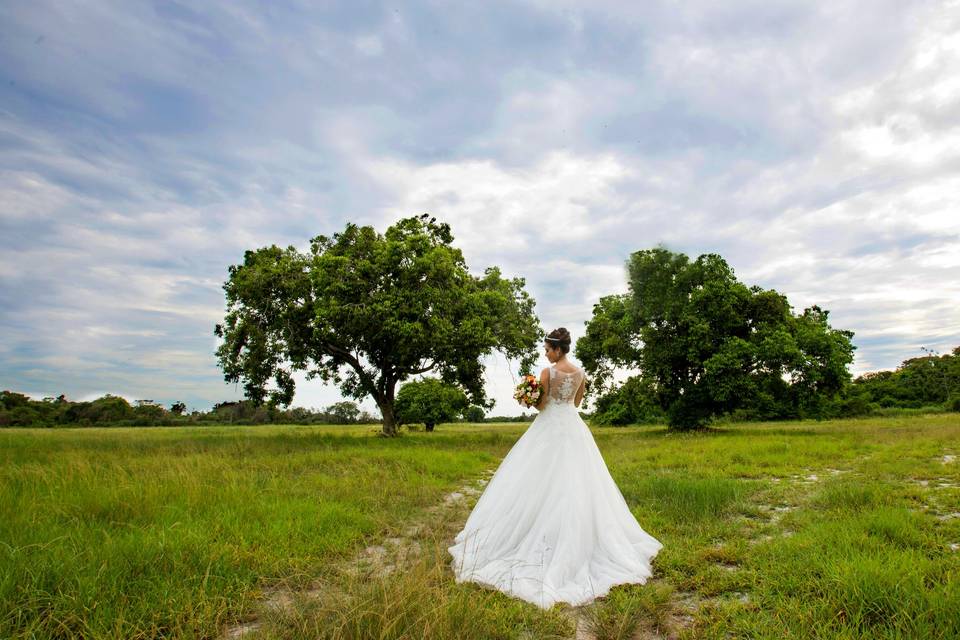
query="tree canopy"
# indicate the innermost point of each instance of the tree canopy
(707, 344)
(429, 401)
(365, 311)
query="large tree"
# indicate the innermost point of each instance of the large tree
(706, 344)
(365, 311)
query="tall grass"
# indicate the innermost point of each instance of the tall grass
(837, 529)
(168, 532)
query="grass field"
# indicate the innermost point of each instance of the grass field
(841, 529)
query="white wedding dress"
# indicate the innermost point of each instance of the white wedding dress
(552, 525)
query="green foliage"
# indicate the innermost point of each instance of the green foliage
(473, 413)
(523, 417)
(918, 382)
(953, 403)
(708, 345)
(19, 410)
(633, 402)
(107, 409)
(429, 401)
(344, 412)
(246, 412)
(11, 400)
(851, 406)
(366, 311)
(116, 411)
(611, 340)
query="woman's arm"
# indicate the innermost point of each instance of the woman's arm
(579, 398)
(544, 389)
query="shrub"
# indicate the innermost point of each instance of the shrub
(853, 406)
(953, 402)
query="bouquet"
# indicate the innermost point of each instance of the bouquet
(528, 391)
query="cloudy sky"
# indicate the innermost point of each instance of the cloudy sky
(144, 146)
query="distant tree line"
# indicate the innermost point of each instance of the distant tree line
(19, 410)
(928, 382)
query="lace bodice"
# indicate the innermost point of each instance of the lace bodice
(564, 385)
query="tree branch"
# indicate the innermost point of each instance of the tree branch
(422, 369)
(354, 362)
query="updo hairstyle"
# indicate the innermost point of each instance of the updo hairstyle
(559, 339)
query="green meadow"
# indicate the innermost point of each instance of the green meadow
(834, 529)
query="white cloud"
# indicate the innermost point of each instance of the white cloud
(503, 212)
(369, 45)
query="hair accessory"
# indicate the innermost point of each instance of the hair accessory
(554, 339)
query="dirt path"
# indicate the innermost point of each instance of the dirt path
(379, 560)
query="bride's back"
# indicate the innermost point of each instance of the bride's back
(564, 384)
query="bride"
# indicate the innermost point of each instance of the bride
(552, 525)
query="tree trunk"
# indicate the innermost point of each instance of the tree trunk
(389, 417)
